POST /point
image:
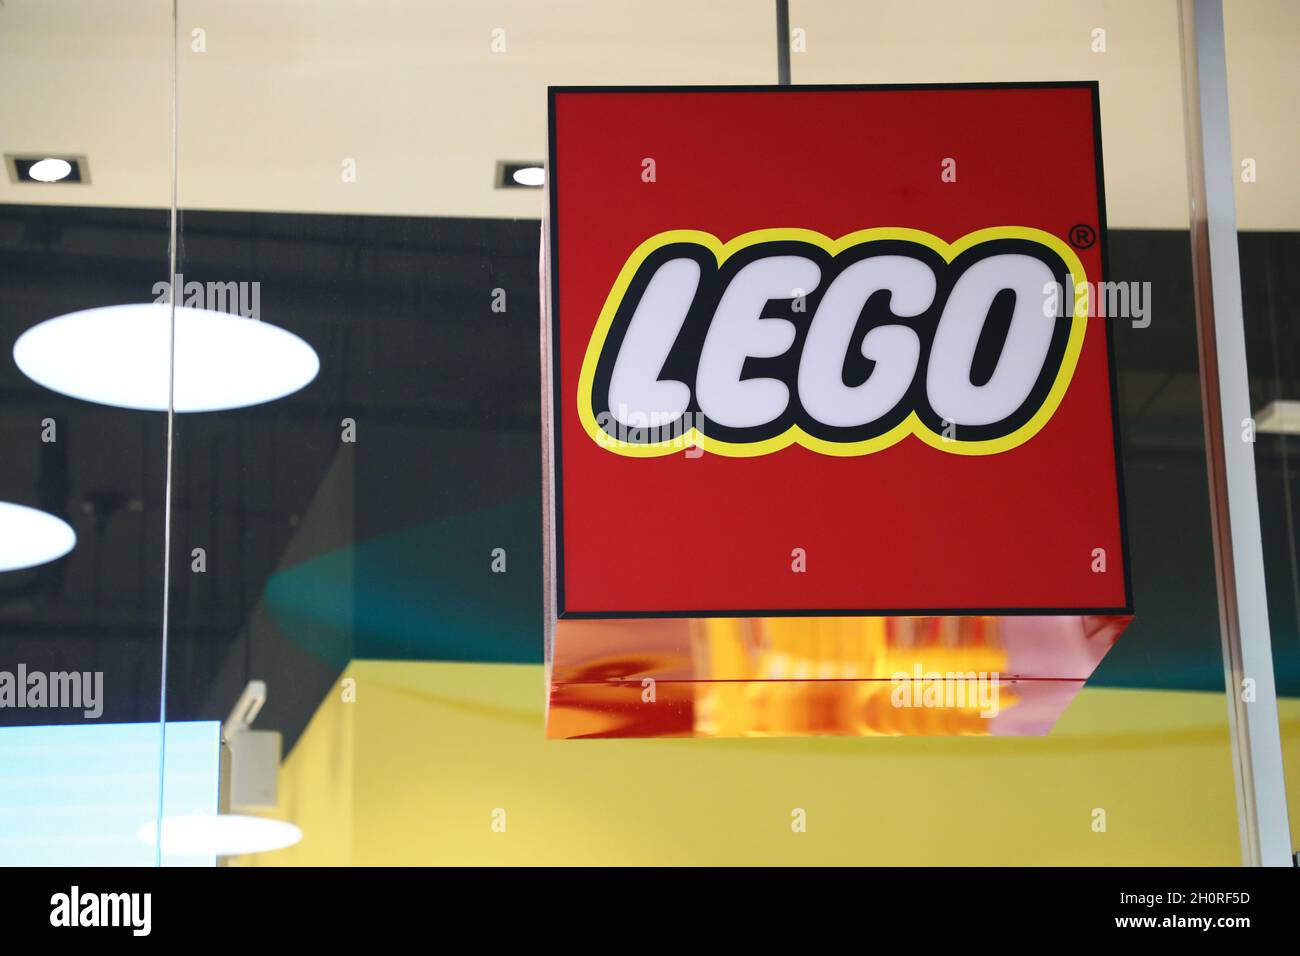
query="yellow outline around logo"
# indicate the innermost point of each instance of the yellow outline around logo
(794, 435)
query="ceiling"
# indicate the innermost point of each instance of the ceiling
(413, 91)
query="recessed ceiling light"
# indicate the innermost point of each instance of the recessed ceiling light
(529, 176)
(47, 169)
(29, 537)
(225, 834)
(520, 175)
(118, 355)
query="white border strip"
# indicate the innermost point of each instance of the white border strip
(1239, 556)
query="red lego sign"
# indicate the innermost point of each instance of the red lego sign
(831, 351)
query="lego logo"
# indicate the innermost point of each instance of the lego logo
(844, 346)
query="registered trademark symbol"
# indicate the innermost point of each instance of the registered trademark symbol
(1082, 236)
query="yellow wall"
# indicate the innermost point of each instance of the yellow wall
(411, 773)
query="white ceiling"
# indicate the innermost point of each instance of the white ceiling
(412, 90)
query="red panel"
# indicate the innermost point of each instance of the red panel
(906, 529)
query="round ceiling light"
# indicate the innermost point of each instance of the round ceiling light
(530, 176)
(49, 170)
(118, 355)
(226, 834)
(29, 537)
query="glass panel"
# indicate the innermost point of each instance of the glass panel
(1263, 80)
(365, 542)
(372, 540)
(1146, 742)
(83, 226)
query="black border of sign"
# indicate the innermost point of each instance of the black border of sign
(552, 233)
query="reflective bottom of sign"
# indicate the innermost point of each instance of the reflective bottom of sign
(756, 677)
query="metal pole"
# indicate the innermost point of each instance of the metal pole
(1230, 456)
(783, 42)
(171, 458)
